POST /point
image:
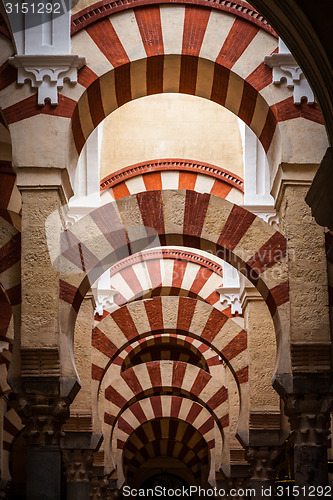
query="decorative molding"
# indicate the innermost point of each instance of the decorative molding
(77, 465)
(232, 297)
(311, 357)
(172, 164)
(309, 417)
(266, 213)
(265, 420)
(104, 299)
(167, 254)
(285, 68)
(291, 175)
(47, 73)
(106, 8)
(35, 178)
(249, 294)
(237, 457)
(79, 421)
(40, 362)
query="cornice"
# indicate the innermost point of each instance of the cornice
(105, 8)
(171, 164)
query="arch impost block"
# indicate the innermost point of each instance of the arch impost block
(291, 174)
(249, 294)
(40, 178)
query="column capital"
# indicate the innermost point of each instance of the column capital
(43, 417)
(78, 465)
(309, 417)
(263, 461)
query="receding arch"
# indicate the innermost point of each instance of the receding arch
(165, 406)
(178, 315)
(254, 247)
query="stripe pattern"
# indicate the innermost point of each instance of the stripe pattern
(225, 67)
(172, 174)
(10, 289)
(170, 347)
(161, 377)
(177, 315)
(166, 437)
(165, 272)
(166, 218)
(210, 54)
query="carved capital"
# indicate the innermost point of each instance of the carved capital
(263, 461)
(77, 465)
(309, 417)
(43, 418)
(98, 488)
(285, 68)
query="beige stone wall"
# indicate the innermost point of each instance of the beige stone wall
(307, 269)
(171, 126)
(82, 353)
(262, 352)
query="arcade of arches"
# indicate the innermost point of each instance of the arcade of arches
(165, 291)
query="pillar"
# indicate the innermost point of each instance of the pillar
(45, 381)
(306, 384)
(309, 416)
(78, 472)
(263, 462)
(43, 418)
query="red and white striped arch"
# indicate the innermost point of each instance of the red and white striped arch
(204, 356)
(12, 425)
(164, 406)
(229, 231)
(172, 174)
(166, 272)
(187, 49)
(193, 49)
(160, 377)
(179, 315)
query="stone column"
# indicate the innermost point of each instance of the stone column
(45, 379)
(306, 384)
(98, 488)
(78, 472)
(309, 416)
(263, 462)
(43, 418)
